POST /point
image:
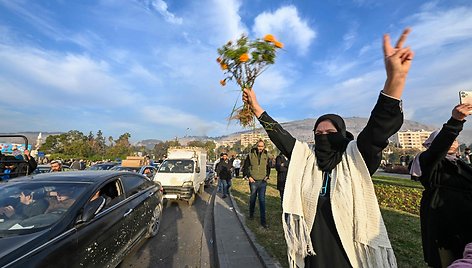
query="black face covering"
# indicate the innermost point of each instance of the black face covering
(329, 148)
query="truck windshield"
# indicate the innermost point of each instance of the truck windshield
(176, 166)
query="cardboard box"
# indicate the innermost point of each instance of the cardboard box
(132, 163)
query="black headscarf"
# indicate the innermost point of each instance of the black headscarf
(329, 148)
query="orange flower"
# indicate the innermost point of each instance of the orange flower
(278, 44)
(269, 38)
(218, 59)
(224, 66)
(244, 57)
(223, 82)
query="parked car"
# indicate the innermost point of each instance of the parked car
(46, 168)
(103, 166)
(107, 214)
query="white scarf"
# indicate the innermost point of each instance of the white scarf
(354, 206)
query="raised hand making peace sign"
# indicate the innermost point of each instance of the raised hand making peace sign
(397, 64)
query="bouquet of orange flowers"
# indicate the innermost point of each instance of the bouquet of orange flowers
(243, 61)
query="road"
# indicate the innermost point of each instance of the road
(184, 238)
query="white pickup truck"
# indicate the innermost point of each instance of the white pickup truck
(182, 173)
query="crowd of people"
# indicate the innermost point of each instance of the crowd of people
(331, 217)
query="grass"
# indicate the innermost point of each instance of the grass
(398, 199)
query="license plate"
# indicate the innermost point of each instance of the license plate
(170, 196)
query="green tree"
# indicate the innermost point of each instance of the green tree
(121, 148)
(100, 143)
(160, 149)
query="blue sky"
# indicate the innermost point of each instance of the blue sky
(148, 67)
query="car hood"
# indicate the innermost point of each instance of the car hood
(9, 244)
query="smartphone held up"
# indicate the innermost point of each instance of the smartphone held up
(465, 97)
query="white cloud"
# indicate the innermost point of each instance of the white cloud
(354, 96)
(61, 76)
(286, 24)
(350, 37)
(272, 85)
(436, 29)
(216, 21)
(161, 7)
(176, 118)
(336, 67)
(441, 40)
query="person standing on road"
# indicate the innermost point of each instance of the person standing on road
(446, 202)
(224, 174)
(236, 166)
(219, 187)
(281, 165)
(331, 216)
(257, 170)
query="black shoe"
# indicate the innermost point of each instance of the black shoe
(224, 196)
(265, 226)
(251, 217)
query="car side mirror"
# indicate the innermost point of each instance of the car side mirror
(92, 208)
(197, 169)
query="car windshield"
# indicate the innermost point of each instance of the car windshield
(28, 207)
(176, 166)
(121, 168)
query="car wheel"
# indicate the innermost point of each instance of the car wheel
(155, 221)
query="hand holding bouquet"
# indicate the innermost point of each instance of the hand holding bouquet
(243, 61)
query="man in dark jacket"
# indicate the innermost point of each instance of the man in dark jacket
(257, 170)
(16, 166)
(223, 170)
(281, 165)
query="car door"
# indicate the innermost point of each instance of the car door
(102, 241)
(139, 193)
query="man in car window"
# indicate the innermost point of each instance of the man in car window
(27, 206)
(56, 166)
(61, 200)
(148, 173)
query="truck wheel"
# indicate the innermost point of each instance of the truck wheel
(192, 199)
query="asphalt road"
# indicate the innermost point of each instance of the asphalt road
(184, 239)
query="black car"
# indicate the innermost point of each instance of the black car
(77, 218)
(102, 166)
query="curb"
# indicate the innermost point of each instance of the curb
(209, 235)
(264, 257)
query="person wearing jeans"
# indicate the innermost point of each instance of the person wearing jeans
(257, 170)
(224, 173)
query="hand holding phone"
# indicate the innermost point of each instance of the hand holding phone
(465, 97)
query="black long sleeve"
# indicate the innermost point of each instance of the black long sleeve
(280, 164)
(246, 166)
(385, 120)
(279, 136)
(32, 164)
(438, 149)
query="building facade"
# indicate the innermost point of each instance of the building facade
(412, 139)
(250, 139)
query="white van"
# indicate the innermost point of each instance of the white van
(182, 173)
